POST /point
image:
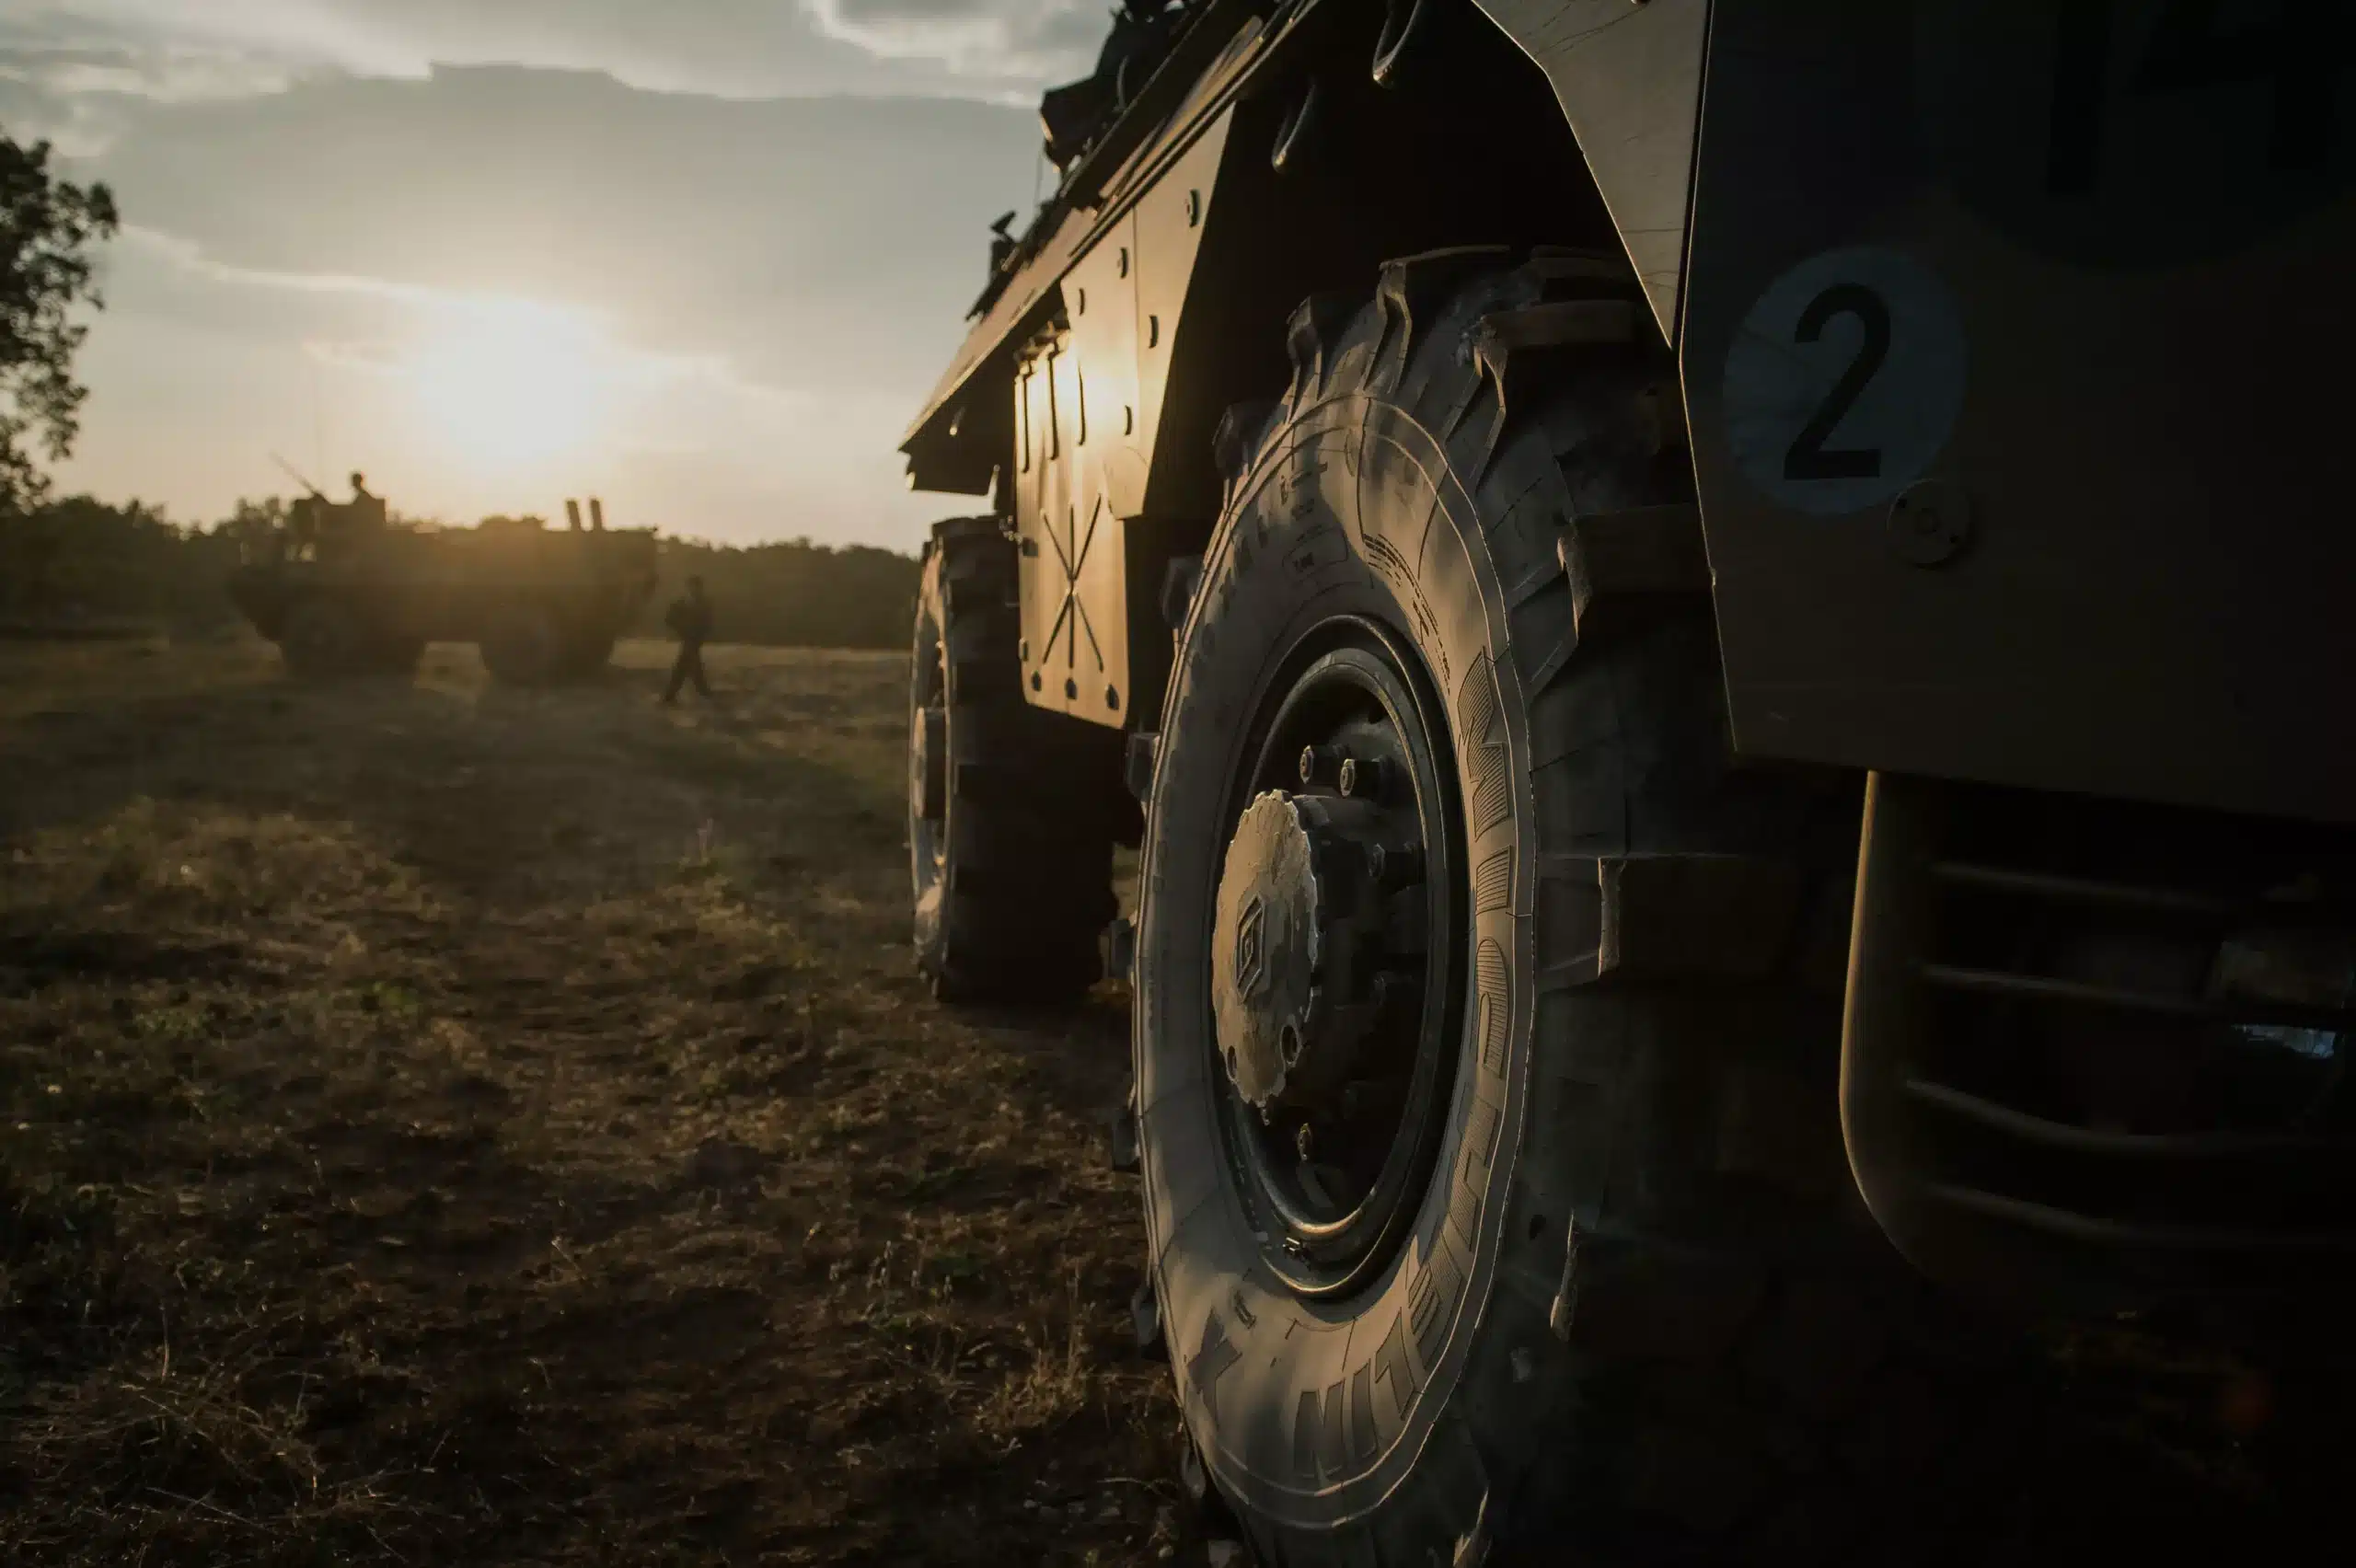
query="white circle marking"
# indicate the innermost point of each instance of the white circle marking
(1845, 380)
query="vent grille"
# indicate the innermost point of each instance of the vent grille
(2129, 1041)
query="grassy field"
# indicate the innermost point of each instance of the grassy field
(448, 1126)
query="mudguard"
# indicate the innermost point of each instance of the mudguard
(1105, 437)
(1629, 78)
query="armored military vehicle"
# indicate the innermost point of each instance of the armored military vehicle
(1723, 613)
(343, 592)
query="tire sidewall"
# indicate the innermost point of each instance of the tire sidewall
(929, 882)
(319, 640)
(525, 647)
(1298, 1406)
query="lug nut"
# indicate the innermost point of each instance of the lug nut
(1318, 764)
(1397, 867)
(1362, 778)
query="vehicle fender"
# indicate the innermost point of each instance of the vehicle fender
(1629, 79)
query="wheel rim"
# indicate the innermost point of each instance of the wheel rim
(1337, 957)
(928, 755)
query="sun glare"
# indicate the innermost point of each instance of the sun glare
(515, 385)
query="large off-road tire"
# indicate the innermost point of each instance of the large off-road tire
(1011, 809)
(524, 645)
(1544, 1239)
(321, 640)
(396, 656)
(587, 654)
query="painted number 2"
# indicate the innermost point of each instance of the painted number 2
(1808, 459)
(2301, 53)
(1844, 380)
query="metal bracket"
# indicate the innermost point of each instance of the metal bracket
(1118, 946)
(1615, 558)
(1681, 917)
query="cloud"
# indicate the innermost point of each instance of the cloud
(179, 48)
(186, 256)
(847, 232)
(78, 126)
(1034, 41)
(176, 53)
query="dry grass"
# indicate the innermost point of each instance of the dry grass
(446, 1125)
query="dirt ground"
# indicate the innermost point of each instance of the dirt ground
(446, 1125)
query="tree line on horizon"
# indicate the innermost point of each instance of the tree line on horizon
(81, 563)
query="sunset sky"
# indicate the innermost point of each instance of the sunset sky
(702, 258)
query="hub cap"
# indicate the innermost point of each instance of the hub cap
(1298, 946)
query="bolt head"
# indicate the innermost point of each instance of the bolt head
(1930, 525)
(1307, 764)
(1350, 777)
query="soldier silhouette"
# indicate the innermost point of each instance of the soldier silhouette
(689, 619)
(365, 509)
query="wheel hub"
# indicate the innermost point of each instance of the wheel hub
(1335, 958)
(1297, 946)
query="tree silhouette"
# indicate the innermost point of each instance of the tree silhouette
(48, 229)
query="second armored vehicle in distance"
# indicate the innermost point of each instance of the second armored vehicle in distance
(344, 592)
